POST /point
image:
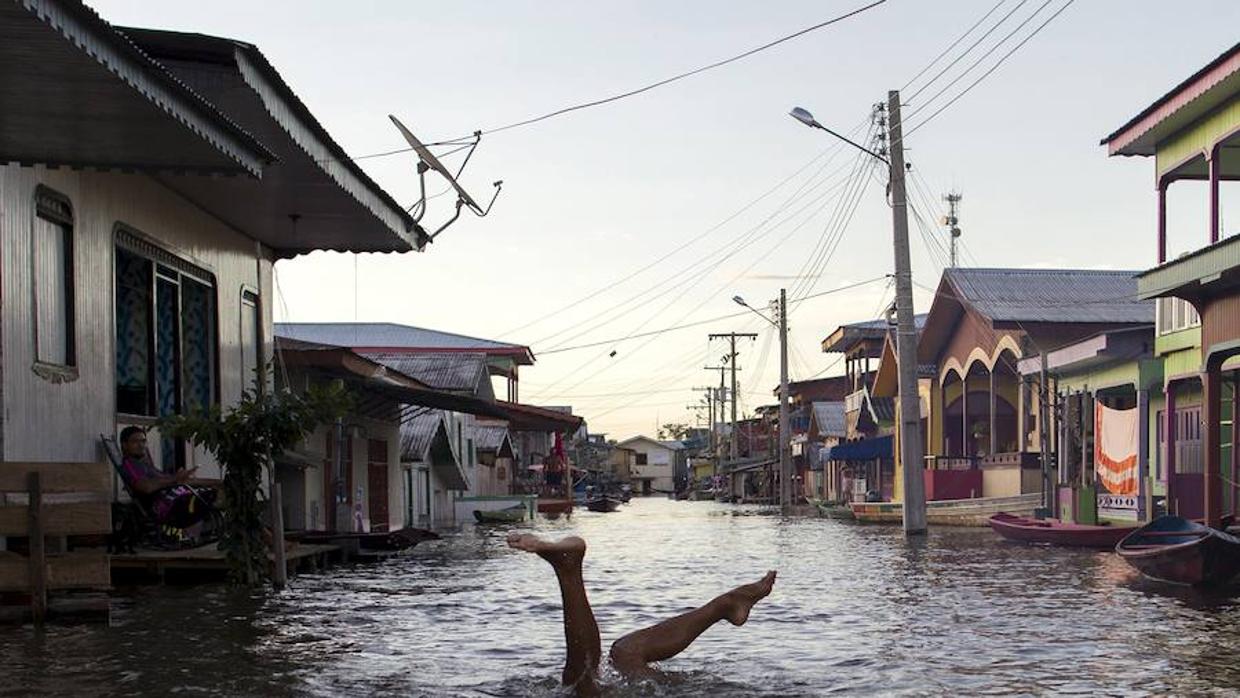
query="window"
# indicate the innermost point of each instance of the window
(251, 339)
(165, 331)
(52, 246)
(1175, 314)
(640, 459)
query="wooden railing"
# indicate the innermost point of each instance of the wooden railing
(1022, 459)
(79, 506)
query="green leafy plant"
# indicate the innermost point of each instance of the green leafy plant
(245, 439)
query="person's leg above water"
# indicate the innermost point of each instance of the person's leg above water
(633, 653)
(580, 628)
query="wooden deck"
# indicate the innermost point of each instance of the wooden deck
(207, 563)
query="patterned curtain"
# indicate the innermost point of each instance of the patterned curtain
(133, 332)
(197, 342)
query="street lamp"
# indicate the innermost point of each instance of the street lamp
(906, 333)
(785, 460)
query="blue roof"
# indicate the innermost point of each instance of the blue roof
(868, 449)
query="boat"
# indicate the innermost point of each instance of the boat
(950, 512)
(1030, 530)
(602, 504)
(400, 539)
(833, 510)
(510, 515)
(552, 505)
(1176, 550)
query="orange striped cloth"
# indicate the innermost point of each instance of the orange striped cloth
(1116, 433)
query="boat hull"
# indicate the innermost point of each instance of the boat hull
(603, 504)
(1028, 530)
(1178, 551)
(950, 512)
(554, 506)
(513, 515)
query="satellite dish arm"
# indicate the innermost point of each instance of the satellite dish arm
(481, 213)
(450, 221)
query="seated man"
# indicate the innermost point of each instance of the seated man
(632, 654)
(169, 497)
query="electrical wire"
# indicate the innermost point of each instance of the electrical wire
(681, 76)
(951, 46)
(967, 51)
(992, 69)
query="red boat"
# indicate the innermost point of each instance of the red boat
(547, 505)
(1176, 550)
(1028, 530)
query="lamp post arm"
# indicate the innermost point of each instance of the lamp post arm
(854, 144)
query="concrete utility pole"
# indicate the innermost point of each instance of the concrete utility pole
(785, 432)
(732, 337)
(906, 334)
(721, 393)
(1044, 418)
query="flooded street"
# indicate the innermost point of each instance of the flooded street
(856, 610)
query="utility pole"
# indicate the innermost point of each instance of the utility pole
(952, 221)
(710, 411)
(785, 448)
(732, 337)
(721, 394)
(906, 334)
(1044, 418)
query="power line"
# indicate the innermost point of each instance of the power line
(992, 69)
(684, 75)
(952, 46)
(606, 100)
(967, 51)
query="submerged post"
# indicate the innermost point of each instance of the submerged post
(279, 564)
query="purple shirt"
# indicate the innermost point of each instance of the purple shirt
(161, 500)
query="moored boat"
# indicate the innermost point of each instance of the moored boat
(509, 515)
(549, 505)
(602, 504)
(833, 510)
(1176, 550)
(1029, 530)
(950, 512)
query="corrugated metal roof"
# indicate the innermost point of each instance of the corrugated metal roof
(455, 372)
(489, 437)
(388, 335)
(416, 436)
(1052, 295)
(829, 416)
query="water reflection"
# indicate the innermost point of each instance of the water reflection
(857, 610)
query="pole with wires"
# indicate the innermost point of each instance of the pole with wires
(906, 335)
(785, 448)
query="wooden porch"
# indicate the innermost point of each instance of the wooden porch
(206, 563)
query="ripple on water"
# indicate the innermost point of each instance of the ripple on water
(857, 610)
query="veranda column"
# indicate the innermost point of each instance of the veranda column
(994, 434)
(1143, 450)
(1211, 383)
(1169, 438)
(1235, 438)
(964, 416)
(1216, 164)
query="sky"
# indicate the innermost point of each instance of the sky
(677, 191)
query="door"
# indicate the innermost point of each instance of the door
(377, 483)
(337, 492)
(424, 511)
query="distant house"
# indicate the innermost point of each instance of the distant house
(827, 427)
(655, 463)
(149, 181)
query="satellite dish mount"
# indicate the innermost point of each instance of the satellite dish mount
(427, 162)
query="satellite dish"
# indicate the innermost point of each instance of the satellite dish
(428, 161)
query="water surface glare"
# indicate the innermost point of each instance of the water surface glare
(857, 610)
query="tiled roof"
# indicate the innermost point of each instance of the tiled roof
(455, 372)
(391, 336)
(884, 408)
(829, 416)
(1052, 295)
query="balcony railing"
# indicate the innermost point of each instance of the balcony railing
(1021, 459)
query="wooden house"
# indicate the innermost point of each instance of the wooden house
(149, 181)
(1193, 134)
(979, 409)
(1115, 371)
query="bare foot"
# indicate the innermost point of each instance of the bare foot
(562, 554)
(740, 600)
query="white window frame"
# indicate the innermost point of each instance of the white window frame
(1174, 315)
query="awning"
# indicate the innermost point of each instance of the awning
(867, 449)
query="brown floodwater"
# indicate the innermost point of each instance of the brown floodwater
(857, 610)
